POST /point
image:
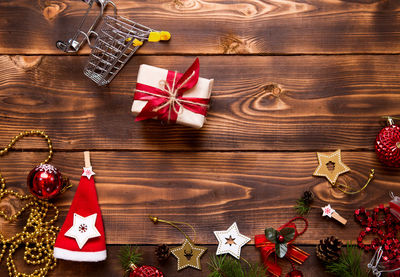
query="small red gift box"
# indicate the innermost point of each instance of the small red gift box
(395, 205)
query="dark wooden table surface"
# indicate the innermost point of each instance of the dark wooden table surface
(291, 78)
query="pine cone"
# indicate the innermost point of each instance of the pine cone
(308, 197)
(328, 250)
(162, 252)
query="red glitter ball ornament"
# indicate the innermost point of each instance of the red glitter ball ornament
(295, 273)
(45, 181)
(146, 271)
(387, 144)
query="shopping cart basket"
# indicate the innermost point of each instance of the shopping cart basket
(116, 40)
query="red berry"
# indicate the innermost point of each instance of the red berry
(281, 238)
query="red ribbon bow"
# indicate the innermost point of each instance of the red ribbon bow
(168, 102)
(293, 253)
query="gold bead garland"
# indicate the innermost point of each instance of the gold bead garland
(38, 236)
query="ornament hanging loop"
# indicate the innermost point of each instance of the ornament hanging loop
(345, 188)
(66, 184)
(132, 267)
(390, 120)
(174, 224)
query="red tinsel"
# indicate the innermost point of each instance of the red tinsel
(381, 222)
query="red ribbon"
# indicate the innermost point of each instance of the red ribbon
(293, 253)
(167, 103)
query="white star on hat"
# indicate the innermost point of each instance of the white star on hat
(83, 229)
(230, 241)
(88, 172)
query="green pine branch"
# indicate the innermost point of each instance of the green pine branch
(226, 266)
(129, 255)
(349, 263)
(302, 207)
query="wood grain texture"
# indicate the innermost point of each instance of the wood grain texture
(258, 103)
(209, 190)
(217, 27)
(111, 267)
(291, 78)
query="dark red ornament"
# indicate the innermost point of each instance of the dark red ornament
(387, 144)
(295, 273)
(45, 181)
(146, 271)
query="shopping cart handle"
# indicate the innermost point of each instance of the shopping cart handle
(165, 35)
(157, 36)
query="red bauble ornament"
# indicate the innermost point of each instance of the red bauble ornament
(146, 271)
(387, 144)
(295, 273)
(45, 181)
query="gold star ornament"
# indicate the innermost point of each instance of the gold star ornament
(330, 166)
(188, 254)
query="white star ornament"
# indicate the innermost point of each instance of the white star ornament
(83, 229)
(230, 241)
(88, 172)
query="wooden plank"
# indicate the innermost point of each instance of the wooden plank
(210, 191)
(111, 267)
(258, 103)
(233, 27)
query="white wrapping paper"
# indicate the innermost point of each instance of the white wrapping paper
(151, 76)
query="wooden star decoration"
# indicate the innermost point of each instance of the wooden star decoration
(188, 254)
(330, 166)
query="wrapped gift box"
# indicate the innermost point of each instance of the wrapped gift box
(395, 206)
(151, 84)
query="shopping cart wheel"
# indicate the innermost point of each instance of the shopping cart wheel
(61, 45)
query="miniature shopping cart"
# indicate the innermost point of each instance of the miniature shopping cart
(116, 40)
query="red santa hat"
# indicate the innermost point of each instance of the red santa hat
(82, 237)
